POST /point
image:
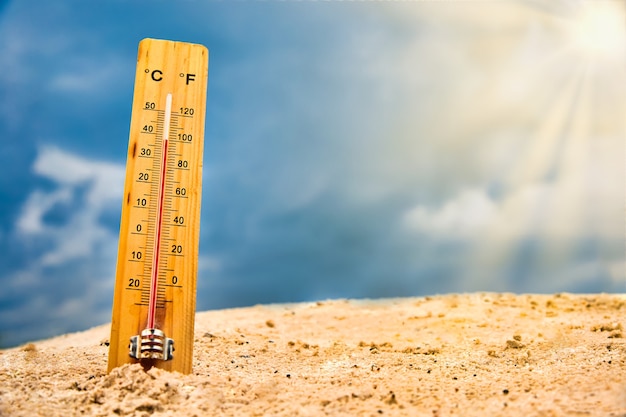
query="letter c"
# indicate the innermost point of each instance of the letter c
(154, 75)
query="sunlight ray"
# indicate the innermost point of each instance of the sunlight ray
(537, 212)
(537, 164)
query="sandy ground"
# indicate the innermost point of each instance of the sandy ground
(467, 355)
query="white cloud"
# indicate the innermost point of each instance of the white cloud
(78, 239)
(106, 179)
(466, 215)
(36, 206)
(565, 234)
(81, 232)
(566, 210)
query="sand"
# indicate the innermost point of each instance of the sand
(468, 355)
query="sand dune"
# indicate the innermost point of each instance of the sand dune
(468, 355)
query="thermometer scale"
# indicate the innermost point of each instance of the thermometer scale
(155, 288)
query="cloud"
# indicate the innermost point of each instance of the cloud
(36, 206)
(68, 253)
(545, 237)
(39, 302)
(564, 210)
(106, 179)
(81, 233)
(467, 215)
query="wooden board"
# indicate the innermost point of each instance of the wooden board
(157, 261)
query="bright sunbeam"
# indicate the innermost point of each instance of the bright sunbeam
(547, 206)
(599, 28)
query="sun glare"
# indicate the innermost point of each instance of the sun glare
(600, 28)
(548, 186)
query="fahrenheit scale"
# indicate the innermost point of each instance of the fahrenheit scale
(155, 289)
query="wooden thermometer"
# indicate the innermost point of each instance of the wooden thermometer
(155, 288)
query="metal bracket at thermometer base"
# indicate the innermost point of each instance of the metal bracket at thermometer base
(151, 344)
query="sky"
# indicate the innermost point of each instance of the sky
(352, 150)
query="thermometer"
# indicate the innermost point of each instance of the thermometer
(155, 287)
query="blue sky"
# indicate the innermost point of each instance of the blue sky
(351, 150)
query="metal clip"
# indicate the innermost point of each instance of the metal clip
(151, 344)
